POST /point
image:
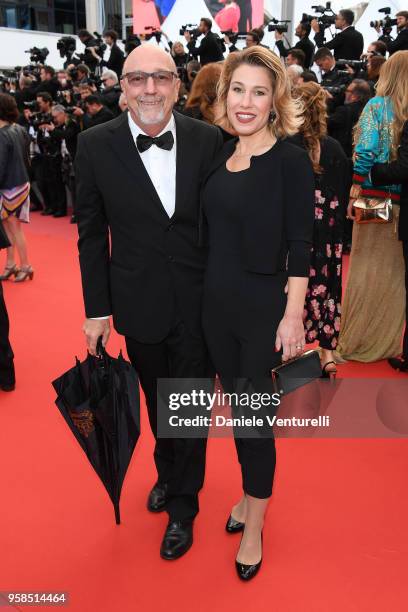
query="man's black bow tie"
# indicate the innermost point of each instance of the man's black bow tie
(165, 141)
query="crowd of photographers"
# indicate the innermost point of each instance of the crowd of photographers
(55, 106)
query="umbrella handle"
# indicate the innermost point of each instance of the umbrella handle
(100, 349)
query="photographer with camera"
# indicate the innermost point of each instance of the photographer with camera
(332, 80)
(116, 56)
(210, 49)
(66, 133)
(111, 91)
(48, 82)
(401, 42)
(342, 121)
(304, 44)
(50, 180)
(93, 50)
(25, 92)
(96, 113)
(349, 44)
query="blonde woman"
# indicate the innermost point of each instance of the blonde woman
(258, 206)
(373, 307)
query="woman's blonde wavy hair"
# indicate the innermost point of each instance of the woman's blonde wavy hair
(314, 126)
(393, 83)
(288, 111)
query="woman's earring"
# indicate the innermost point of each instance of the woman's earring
(272, 116)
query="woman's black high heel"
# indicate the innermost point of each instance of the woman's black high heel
(247, 572)
(234, 526)
(331, 374)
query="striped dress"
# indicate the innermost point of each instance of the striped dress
(16, 202)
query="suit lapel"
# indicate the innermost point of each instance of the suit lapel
(125, 149)
(186, 159)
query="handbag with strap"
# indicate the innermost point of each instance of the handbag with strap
(296, 372)
(373, 210)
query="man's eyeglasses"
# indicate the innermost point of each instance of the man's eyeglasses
(139, 79)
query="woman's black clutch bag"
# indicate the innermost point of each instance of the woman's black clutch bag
(297, 372)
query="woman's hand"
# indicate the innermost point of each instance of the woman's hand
(350, 209)
(290, 336)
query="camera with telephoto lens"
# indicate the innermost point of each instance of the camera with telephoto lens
(355, 64)
(38, 56)
(9, 76)
(191, 28)
(387, 23)
(278, 25)
(153, 33)
(335, 90)
(233, 37)
(324, 20)
(40, 119)
(131, 43)
(66, 46)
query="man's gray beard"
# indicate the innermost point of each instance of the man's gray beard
(148, 119)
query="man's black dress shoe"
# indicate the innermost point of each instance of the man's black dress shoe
(399, 363)
(46, 212)
(59, 213)
(73, 219)
(178, 538)
(7, 387)
(234, 526)
(156, 502)
(247, 572)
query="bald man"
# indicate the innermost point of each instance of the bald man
(139, 179)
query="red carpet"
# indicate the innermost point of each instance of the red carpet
(336, 533)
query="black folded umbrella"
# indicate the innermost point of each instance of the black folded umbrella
(99, 399)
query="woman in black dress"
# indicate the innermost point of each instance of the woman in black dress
(258, 206)
(332, 182)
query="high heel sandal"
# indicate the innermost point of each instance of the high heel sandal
(247, 572)
(331, 374)
(9, 271)
(24, 274)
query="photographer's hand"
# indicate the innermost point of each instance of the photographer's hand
(78, 112)
(278, 35)
(187, 36)
(315, 25)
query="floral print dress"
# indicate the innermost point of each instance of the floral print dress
(323, 297)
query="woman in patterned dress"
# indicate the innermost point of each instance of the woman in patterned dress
(374, 302)
(14, 188)
(332, 180)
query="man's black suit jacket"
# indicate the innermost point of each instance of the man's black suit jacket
(153, 268)
(304, 44)
(116, 60)
(348, 44)
(209, 49)
(394, 173)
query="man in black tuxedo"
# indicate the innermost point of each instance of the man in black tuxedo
(396, 172)
(349, 44)
(139, 178)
